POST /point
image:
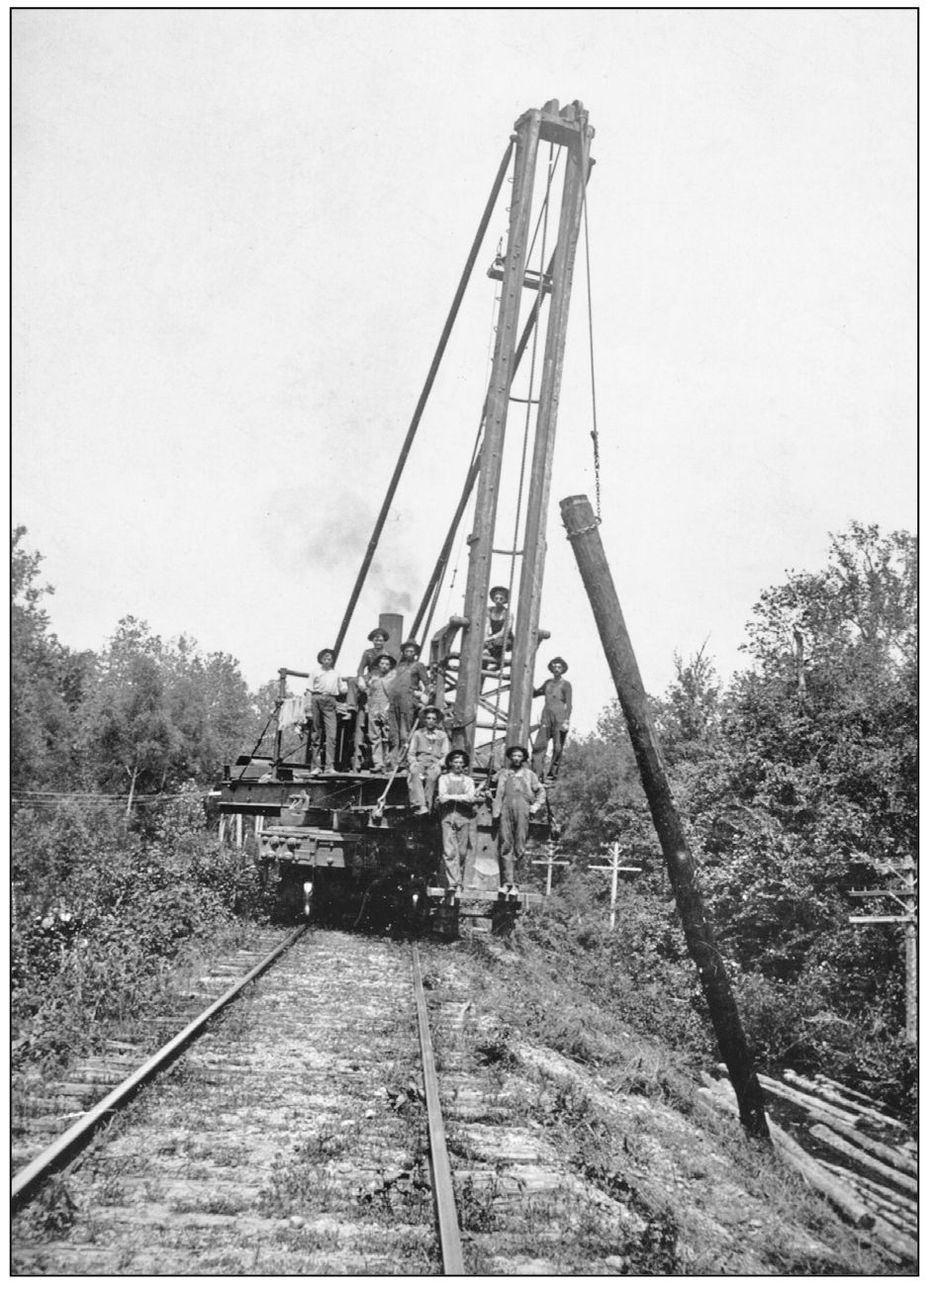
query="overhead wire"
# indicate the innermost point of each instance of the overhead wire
(594, 432)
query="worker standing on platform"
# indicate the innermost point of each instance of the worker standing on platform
(378, 639)
(409, 692)
(326, 688)
(456, 797)
(426, 753)
(554, 719)
(519, 794)
(378, 710)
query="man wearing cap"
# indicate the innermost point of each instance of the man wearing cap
(495, 645)
(519, 794)
(378, 709)
(326, 687)
(554, 719)
(456, 797)
(426, 752)
(409, 692)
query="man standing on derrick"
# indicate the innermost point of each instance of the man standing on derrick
(554, 719)
(519, 794)
(409, 692)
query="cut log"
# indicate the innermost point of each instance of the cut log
(901, 1215)
(839, 1196)
(716, 1102)
(851, 1093)
(888, 1237)
(897, 1159)
(901, 1223)
(878, 1193)
(884, 1194)
(873, 1110)
(807, 1102)
(819, 1088)
(819, 1178)
(892, 1175)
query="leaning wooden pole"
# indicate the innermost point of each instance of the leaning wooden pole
(582, 530)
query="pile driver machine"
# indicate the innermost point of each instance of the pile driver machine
(321, 835)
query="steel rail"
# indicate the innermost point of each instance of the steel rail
(451, 1249)
(63, 1146)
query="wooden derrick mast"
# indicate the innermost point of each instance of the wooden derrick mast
(570, 129)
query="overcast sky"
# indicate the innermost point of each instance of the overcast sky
(237, 235)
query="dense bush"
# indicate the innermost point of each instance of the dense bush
(797, 784)
(102, 914)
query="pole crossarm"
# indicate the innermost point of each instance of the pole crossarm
(887, 917)
(882, 891)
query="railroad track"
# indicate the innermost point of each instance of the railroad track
(291, 1137)
(44, 1110)
(336, 1121)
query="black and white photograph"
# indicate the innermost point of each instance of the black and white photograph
(464, 775)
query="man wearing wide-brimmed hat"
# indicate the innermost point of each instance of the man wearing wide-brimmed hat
(409, 691)
(378, 710)
(426, 752)
(456, 802)
(554, 719)
(496, 643)
(325, 688)
(519, 794)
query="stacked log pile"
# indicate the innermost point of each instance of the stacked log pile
(864, 1162)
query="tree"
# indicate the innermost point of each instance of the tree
(46, 680)
(791, 781)
(811, 775)
(598, 797)
(230, 709)
(130, 738)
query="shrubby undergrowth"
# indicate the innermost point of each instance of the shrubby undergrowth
(103, 914)
(623, 1001)
(797, 785)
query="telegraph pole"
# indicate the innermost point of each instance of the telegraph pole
(903, 888)
(551, 862)
(582, 530)
(615, 867)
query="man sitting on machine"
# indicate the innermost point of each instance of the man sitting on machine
(426, 751)
(498, 642)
